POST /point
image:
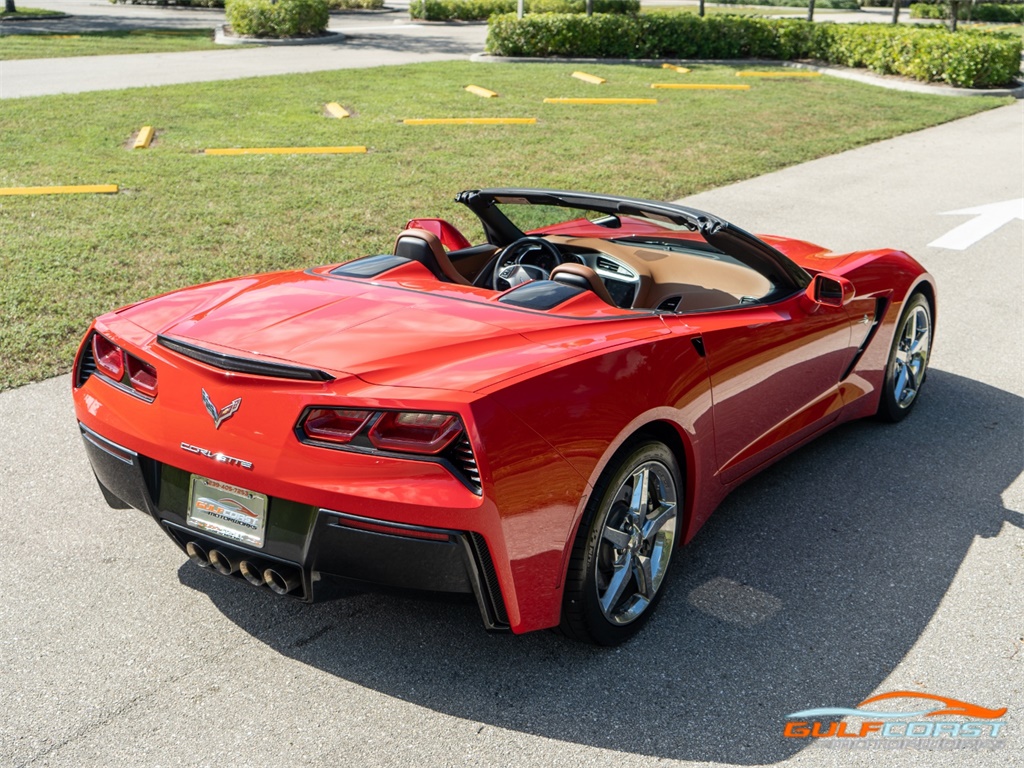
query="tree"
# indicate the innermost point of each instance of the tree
(895, 11)
(702, 8)
(590, 7)
(9, 7)
(810, 11)
(954, 12)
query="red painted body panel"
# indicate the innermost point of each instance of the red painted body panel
(547, 397)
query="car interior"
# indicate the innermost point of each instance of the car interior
(665, 274)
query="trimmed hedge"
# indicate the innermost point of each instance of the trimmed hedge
(284, 18)
(1013, 14)
(342, 5)
(477, 10)
(966, 58)
(180, 3)
(845, 5)
(332, 4)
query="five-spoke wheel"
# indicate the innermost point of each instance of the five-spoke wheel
(624, 547)
(908, 360)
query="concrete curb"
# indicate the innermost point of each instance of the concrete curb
(860, 76)
(220, 37)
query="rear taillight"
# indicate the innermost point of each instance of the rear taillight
(123, 368)
(109, 357)
(414, 432)
(141, 375)
(334, 425)
(427, 434)
(420, 435)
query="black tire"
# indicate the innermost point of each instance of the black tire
(623, 550)
(907, 367)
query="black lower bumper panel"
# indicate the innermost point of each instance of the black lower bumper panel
(329, 546)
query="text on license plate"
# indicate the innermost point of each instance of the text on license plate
(227, 510)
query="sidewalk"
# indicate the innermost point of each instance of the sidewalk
(371, 39)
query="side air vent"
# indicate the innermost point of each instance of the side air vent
(86, 364)
(465, 462)
(243, 364)
(671, 304)
(608, 265)
(880, 307)
(490, 576)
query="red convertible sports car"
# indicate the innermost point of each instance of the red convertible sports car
(539, 419)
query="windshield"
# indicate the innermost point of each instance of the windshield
(528, 217)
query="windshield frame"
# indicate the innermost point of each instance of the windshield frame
(717, 232)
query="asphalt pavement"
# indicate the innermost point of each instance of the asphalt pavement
(879, 558)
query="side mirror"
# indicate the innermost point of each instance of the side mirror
(830, 290)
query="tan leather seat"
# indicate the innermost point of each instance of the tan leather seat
(582, 276)
(425, 247)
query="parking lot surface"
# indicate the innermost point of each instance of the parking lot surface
(879, 558)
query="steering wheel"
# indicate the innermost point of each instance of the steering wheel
(528, 258)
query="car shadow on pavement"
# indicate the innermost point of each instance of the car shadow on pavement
(806, 589)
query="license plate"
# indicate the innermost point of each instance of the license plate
(227, 510)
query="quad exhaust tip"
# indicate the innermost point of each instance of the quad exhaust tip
(223, 563)
(251, 573)
(197, 554)
(281, 580)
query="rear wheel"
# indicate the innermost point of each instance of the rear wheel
(908, 360)
(624, 547)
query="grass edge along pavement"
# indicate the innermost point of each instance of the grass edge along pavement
(37, 45)
(182, 217)
(30, 14)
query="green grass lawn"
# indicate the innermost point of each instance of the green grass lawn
(1014, 29)
(38, 46)
(182, 217)
(28, 12)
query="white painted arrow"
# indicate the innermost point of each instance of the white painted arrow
(987, 219)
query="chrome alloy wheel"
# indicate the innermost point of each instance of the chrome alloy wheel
(911, 356)
(636, 542)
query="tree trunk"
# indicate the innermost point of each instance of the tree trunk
(954, 13)
(895, 11)
(590, 7)
(702, 8)
(9, 7)
(810, 11)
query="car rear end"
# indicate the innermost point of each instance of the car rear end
(290, 478)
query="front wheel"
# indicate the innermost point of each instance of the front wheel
(624, 547)
(908, 360)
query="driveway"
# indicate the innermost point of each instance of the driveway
(880, 558)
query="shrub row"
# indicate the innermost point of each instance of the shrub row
(180, 3)
(965, 58)
(1004, 13)
(476, 10)
(846, 5)
(340, 5)
(284, 18)
(332, 4)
